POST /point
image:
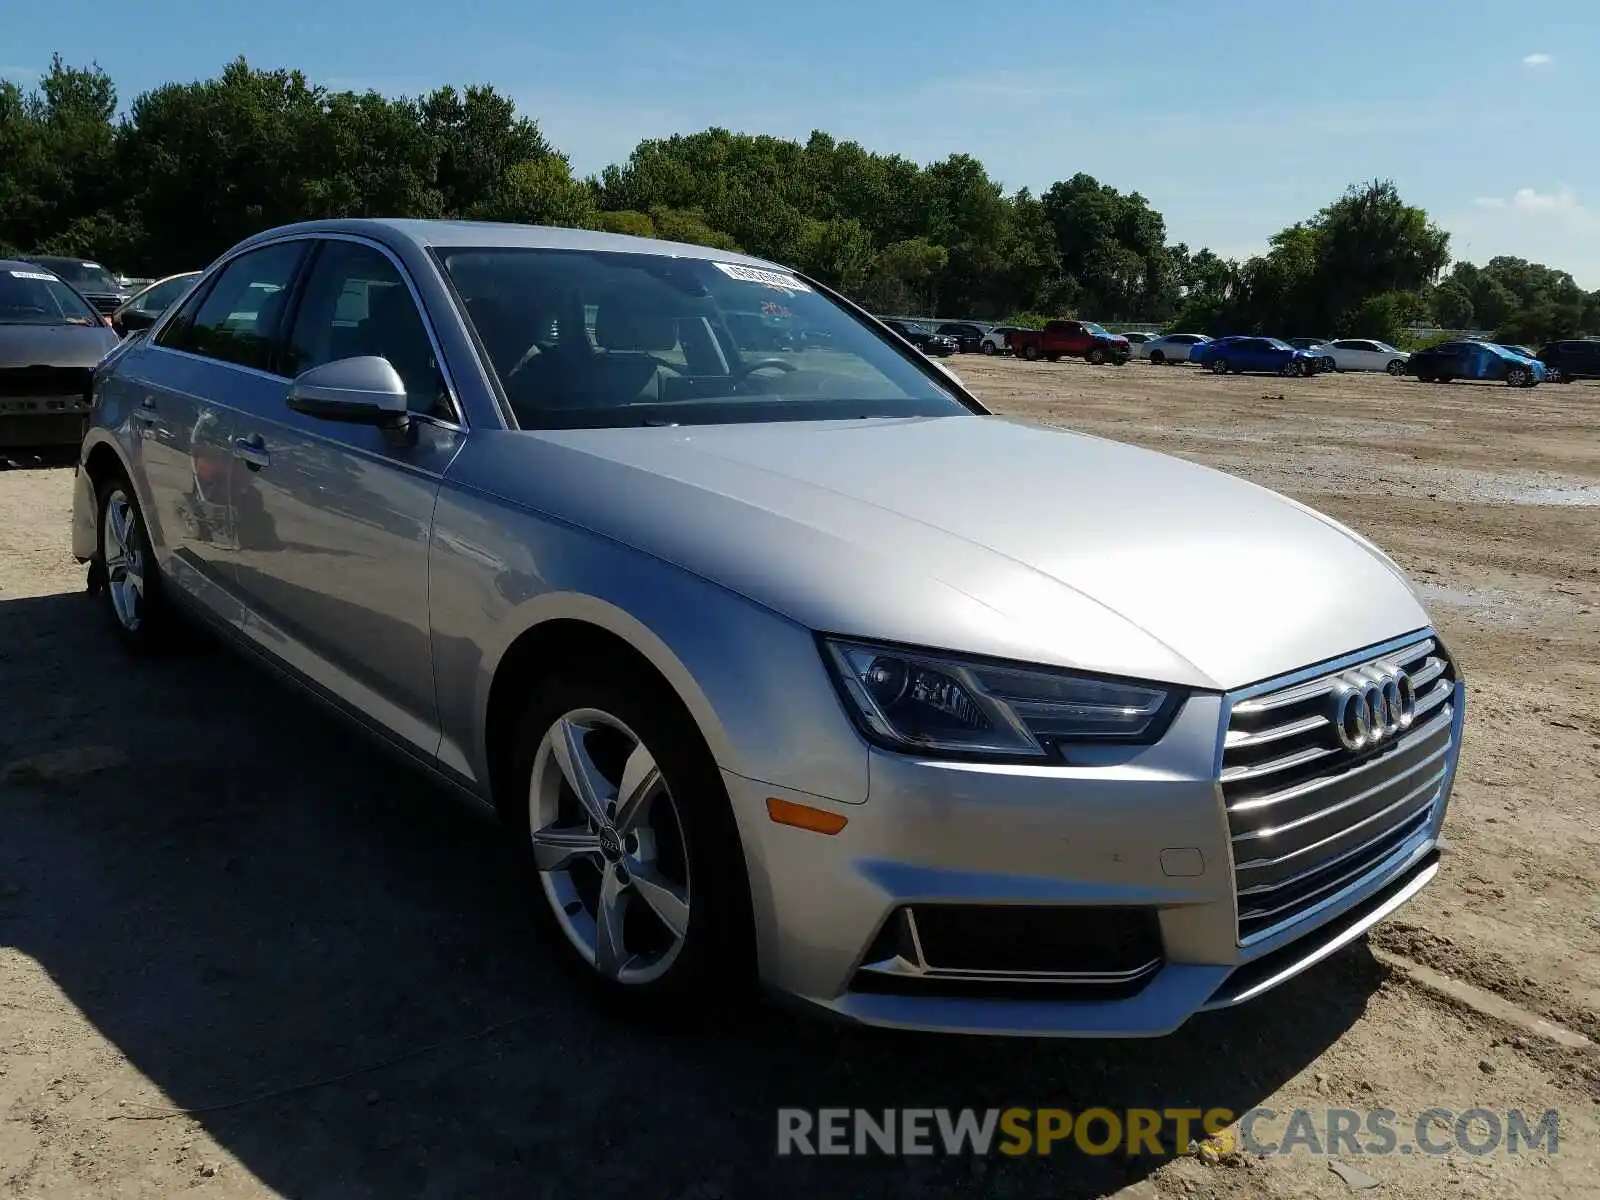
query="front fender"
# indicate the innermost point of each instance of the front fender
(753, 681)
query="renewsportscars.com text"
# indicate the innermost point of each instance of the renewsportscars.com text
(1162, 1132)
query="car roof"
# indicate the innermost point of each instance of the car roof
(20, 264)
(495, 234)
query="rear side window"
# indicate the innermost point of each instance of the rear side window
(237, 320)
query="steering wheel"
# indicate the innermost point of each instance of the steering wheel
(761, 364)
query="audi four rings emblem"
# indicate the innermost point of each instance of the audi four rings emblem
(1372, 705)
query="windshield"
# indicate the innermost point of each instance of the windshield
(1091, 327)
(603, 339)
(1278, 345)
(85, 276)
(39, 298)
(158, 297)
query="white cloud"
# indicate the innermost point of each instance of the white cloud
(1555, 228)
(1537, 60)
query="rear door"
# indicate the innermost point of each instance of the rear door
(184, 390)
(334, 519)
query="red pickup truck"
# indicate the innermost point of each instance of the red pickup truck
(1071, 339)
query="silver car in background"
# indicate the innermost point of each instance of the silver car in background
(802, 668)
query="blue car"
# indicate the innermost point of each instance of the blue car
(1255, 354)
(1476, 360)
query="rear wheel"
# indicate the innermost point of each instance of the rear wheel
(126, 571)
(986, 347)
(625, 834)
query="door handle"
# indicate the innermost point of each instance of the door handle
(253, 452)
(146, 414)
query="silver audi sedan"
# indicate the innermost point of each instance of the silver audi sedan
(779, 657)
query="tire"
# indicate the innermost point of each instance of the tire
(695, 960)
(1424, 377)
(1396, 367)
(986, 347)
(1031, 352)
(1294, 367)
(124, 570)
(1219, 366)
(1157, 357)
(1096, 357)
(1518, 376)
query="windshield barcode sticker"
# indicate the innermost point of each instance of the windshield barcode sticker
(772, 279)
(33, 275)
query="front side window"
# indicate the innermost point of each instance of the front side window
(602, 339)
(355, 303)
(34, 297)
(238, 319)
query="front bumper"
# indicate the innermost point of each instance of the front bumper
(1138, 831)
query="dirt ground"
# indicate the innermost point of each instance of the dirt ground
(215, 898)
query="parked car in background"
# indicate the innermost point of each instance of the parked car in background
(969, 335)
(98, 285)
(1318, 345)
(50, 340)
(1170, 347)
(814, 674)
(1484, 361)
(1138, 338)
(1070, 339)
(141, 309)
(996, 341)
(923, 337)
(1572, 359)
(1366, 354)
(1235, 355)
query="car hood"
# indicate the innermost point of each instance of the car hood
(54, 345)
(981, 534)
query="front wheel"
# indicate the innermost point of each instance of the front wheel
(1519, 377)
(1031, 353)
(1157, 357)
(1396, 367)
(1219, 366)
(1294, 367)
(1096, 356)
(987, 347)
(625, 833)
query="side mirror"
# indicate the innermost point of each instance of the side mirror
(362, 391)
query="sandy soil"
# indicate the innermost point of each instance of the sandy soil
(214, 898)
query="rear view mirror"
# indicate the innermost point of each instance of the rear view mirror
(363, 391)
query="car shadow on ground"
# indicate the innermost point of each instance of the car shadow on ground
(244, 897)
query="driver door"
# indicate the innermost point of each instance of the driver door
(333, 519)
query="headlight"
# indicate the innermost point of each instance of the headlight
(917, 700)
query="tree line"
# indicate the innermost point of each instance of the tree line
(191, 168)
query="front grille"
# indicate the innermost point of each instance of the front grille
(34, 382)
(1308, 817)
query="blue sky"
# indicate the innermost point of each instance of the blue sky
(1233, 124)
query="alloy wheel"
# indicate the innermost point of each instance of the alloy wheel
(121, 551)
(608, 843)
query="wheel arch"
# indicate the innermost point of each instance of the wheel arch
(561, 629)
